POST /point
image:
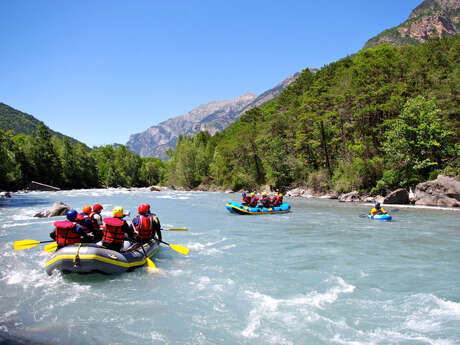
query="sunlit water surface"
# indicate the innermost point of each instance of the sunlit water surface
(318, 275)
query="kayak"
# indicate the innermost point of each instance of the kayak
(236, 207)
(385, 216)
(87, 258)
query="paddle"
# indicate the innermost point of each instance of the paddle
(175, 229)
(150, 264)
(176, 247)
(364, 215)
(23, 244)
(50, 247)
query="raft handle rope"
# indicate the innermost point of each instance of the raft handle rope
(76, 258)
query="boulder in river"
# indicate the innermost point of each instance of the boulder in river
(58, 209)
(443, 192)
(399, 196)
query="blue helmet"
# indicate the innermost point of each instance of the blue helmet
(377, 205)
(72, 215)
(243, 194)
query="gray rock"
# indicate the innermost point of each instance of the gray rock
(157, 188)
(349, 197)
(58, 209)
(299, 192)
(399, 196)
(443, 192)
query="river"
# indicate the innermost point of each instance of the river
(318, 275)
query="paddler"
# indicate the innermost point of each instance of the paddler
(96, 220)
(377, 210)
(246, 199)
(146, 224)
(68, 232)
(265, 200)
(116, 229)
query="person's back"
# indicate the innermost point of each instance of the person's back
(144, 223)
(67, 232)
(115, 229)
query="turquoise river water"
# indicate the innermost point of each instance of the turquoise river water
(318, 275)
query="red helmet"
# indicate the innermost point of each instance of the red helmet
(86, 209)
(144, 208)
(97, 207)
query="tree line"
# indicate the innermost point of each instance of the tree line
(384, 118)
(58, 162)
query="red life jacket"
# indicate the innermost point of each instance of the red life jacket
(246, 199)
(144, 227)
(65, 233)
(265, 201)
(254, 201)
(276, 201)
(113, 232)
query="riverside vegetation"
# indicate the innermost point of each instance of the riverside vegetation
(384, 118)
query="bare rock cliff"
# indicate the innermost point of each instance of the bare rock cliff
(432, 18)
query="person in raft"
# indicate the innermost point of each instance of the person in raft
(265, 201)
(377, 210)
(116, 229)
(246, 199)
(68, 232)
(254, 200)
(84, 220)
(146, 224)
(96, 221)
(277, 200)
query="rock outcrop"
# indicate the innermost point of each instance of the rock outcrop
(57, 209)
(399, 196)
(443, 192)
(432, 18)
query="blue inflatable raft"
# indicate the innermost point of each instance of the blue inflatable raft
(385, 216)
(236, 207)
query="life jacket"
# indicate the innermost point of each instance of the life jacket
(144, 227)
(113, 232)
(276, 201)
(85, 221)
(265, 201)
(246, 199)
(65, 233)
(253, 202)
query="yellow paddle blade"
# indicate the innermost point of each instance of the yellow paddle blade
(176, 229)
(179, 249)
(23, 244)
(151, 266)
(51, 247)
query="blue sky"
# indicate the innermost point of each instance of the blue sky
(101, 70)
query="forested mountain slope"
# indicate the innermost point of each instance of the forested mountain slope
(22, 123)
(384, 118)
(212, 117)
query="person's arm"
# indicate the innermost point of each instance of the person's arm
(157, 227)
(79, 230)
(128, 229)
(53, 234)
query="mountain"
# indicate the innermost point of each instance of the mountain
(22, 123)
(212, 117)
(432, 18)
